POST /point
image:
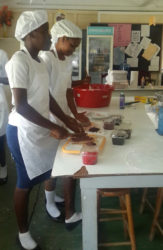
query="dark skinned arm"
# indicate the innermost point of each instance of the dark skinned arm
(28, 112)
(71, 102)
(86, 80)
(81, 117)
(70, 122)
(56, 110)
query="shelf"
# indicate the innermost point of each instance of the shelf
(140, 89)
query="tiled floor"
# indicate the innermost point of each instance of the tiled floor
(53, 236)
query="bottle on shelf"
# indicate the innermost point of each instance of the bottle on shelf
(142, 82)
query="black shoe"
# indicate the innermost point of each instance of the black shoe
(59, 219)
(71, 226)
(3, 180)
(18, 241)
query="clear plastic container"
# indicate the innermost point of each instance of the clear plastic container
(118, 137)
(126, 126)
(109, 124)
(117, 119)
(159, 96)
(89, 154)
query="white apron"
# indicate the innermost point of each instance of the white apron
(37, 147)
(60, 83)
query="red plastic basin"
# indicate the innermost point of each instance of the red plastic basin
(93, 95)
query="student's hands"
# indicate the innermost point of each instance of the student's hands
(60, 133)
(72, 124)
(83, 119)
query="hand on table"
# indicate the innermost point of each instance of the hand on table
(83, 119)
(60, 133)
(72, 124)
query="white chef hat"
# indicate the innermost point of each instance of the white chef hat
(29, 21)
(65, 28)
(59, 16)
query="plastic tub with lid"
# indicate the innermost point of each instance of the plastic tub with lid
(93, 95)
(89, 154)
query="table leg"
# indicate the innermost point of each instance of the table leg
(89, 224)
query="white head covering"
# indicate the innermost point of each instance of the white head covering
(59, 16)
(65, 28)
(29, 21)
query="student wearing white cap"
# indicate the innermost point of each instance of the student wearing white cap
(28, 131)
(66, 37)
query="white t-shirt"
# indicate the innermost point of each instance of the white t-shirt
(37, 147)
(3, 61)
(60, 79)
(21, 71)
(60, 73)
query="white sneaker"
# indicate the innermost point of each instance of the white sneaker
(74, 218)
(73, 221)
(26, 241)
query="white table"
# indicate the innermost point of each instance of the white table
(138, 163)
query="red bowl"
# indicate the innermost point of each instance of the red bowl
(93, 95)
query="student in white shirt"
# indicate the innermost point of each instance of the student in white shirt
(66, 37)
(28, 131)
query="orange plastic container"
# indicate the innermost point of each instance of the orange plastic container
(93, 95)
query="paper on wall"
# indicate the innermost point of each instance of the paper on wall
(154, 64)
(133, 62)
(151, 51)
(134, 78)
(145, 30)
(155, 61)
(135, 36)
(145, 42)
(153, 68)
(133, 49)
(122, 34)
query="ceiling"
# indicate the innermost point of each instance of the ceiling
(105, 5)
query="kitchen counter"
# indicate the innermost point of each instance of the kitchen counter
(138, 163)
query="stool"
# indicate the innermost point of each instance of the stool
(125, 211)
(156, 210)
